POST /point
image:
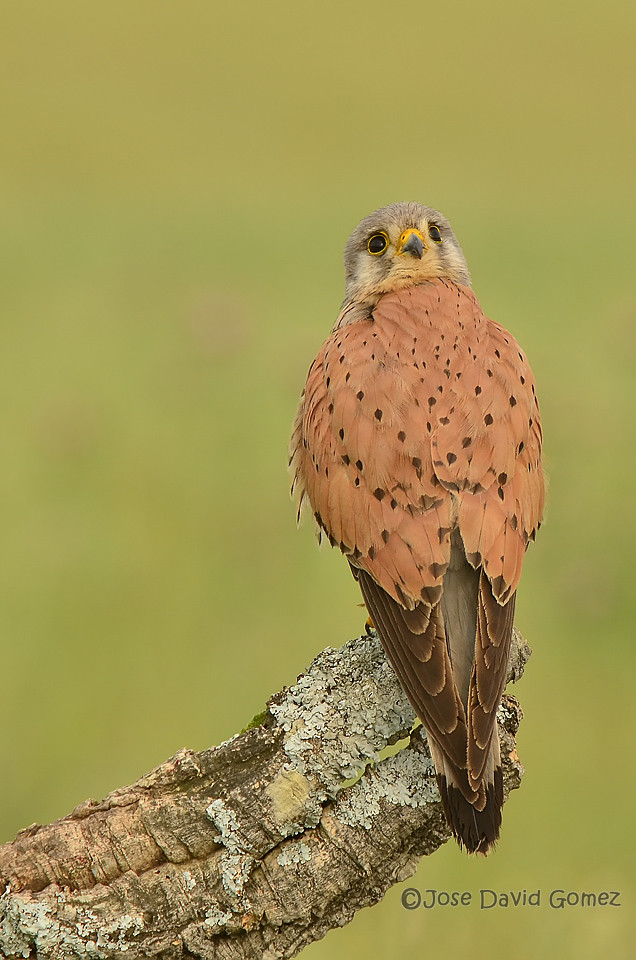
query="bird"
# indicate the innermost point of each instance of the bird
(417, 447)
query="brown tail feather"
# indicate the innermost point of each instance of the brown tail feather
(475, 825)
(476, 830)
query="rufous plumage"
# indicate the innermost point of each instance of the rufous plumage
(417, 445)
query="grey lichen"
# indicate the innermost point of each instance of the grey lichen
(236, 864)
(224, 818)
(297, 852)
(342, 712)
(22, 922)
(235, 872)
(408, 779)
(214, 917)
(31, 926)
(508, 715)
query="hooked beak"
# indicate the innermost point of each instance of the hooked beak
(412, 242)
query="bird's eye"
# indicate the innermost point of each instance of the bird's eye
(377, 243)
(434, 234)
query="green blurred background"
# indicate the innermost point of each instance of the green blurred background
(177, 185)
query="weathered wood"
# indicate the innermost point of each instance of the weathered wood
(254, 848)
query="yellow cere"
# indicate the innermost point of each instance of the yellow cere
(408, 233)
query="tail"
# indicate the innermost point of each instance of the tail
(451, 657)
(475, 822)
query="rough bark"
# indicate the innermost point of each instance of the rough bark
(254, 848)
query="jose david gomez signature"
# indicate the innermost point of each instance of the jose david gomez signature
(485, 899)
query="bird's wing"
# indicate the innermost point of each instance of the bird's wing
(487, 448)
(361, 450)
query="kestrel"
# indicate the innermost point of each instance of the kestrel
(417, 444)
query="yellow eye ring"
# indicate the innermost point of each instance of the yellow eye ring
(434, 233)
(377, 243)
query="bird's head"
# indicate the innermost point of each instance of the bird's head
(399, 246)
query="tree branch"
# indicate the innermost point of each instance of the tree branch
(254, 848)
